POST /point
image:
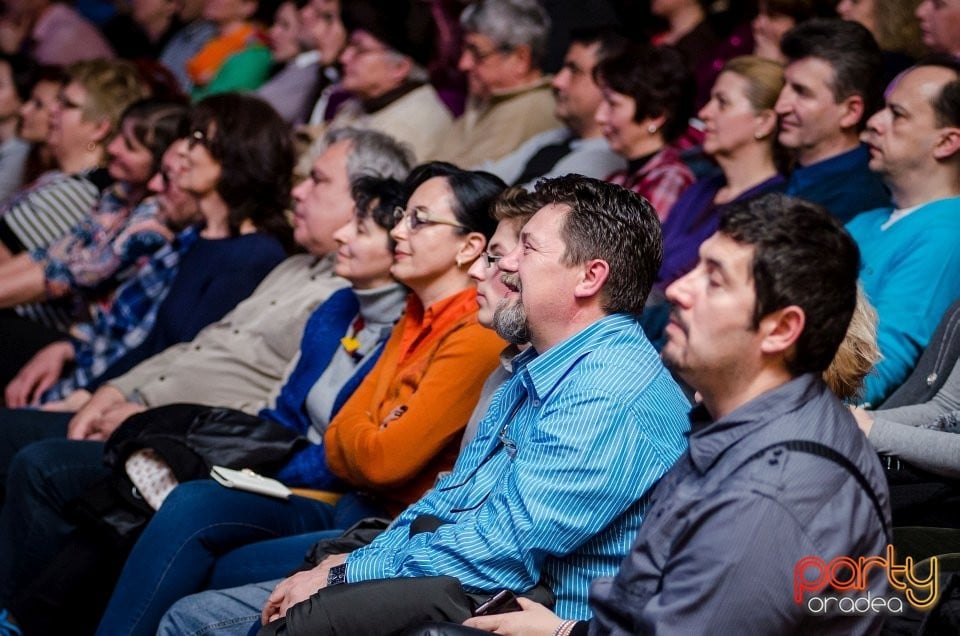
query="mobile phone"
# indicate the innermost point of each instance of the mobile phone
(500, 603)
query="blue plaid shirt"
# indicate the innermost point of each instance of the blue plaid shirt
(553, 488)
(130, 318)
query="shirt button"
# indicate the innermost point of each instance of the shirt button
(236, 332)
(536, 402)
(163, 378)
(196, 347)
(931, 379)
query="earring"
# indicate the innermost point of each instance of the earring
(758, 135)
(652, 128)
(92, 145)
(459, 262)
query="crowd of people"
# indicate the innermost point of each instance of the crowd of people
(553, 318)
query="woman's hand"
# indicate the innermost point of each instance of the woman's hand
(863, 417)
(534, 620)
(38, 375)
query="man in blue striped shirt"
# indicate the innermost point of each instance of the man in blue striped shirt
(553, 488)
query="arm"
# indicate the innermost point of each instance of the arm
(86, 422)
(21, 281)
(586, 446)
(379, 453)
(39, 374)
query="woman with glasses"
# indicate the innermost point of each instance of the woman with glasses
(388, 440)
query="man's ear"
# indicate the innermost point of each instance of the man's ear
(781, 329)
(853, 110)
(948, 144)
(592, 278)
(400, 67)
(524, 56)
(471, 246)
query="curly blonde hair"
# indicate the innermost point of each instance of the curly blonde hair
(111, 86)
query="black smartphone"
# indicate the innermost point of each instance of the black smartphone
(500, 603)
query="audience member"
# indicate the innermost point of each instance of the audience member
(297, 61)
(50, 33)
(86, 114)
(237, 57)
(768, 477)
(321, 18)
(647, 100)
(894, 25)
(940, 25)
(143, 30)
(775, 17)
(195, 33)
(909, 250)
(35, 124)
(579, 147)
(239, 171)
(832, 87)
(16, 82)
(740, 134)
(81, 270)
(559, 433)
(384, 72)
(508, 98)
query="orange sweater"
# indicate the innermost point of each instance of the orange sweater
(434, 365)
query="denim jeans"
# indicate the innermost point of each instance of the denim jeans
(43, 478)
(199, 525)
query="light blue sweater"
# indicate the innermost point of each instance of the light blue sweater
(911, 274)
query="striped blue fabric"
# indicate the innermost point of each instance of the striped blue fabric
(553, 487)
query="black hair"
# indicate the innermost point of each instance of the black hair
(376, 198)
(254, 147)
(658, 80)
(802, 256)
(946, 105)
(23, 72)
(473, 193)
(850, 50)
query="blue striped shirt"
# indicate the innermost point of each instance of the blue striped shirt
(553, 487)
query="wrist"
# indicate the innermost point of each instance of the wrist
(565, 628)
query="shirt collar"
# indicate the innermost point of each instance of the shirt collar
(844, 162)
(709, 439)
(541, 373)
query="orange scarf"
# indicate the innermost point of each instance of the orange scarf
(205, 65)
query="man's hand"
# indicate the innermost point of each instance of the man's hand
(111, 419)
(86, 420)
(38, 375)
(534, 620)
(72, 403)
(298, 588)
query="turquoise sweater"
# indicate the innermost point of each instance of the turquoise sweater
(911, 274)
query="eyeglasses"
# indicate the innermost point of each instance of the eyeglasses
(359, 50)
(420, 216)
(479, 56)
(490, 260)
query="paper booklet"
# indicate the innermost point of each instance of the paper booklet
(250, 481)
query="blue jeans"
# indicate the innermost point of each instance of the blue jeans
(187, 547)
(43, 478)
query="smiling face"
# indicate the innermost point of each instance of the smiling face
(491, 291)
(129, 160)
(615, 117)
(35, 112)
(322, 29)
(364, 255)
(322, 201)
(178, 208)
(940, 25)
(202, 171)
(730, 121)
(812, 122)
(425, 256)
(710, 336)
(902, 137)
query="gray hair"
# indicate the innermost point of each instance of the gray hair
(372, 153)
(510, 23)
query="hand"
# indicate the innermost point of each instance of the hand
(86, 419)
(73, 402)
(111, 419)
(534, 620)
(38, 375)
(863, 417)
(298, 588)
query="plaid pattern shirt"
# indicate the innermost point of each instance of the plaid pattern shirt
(661, 180)
(111, 334)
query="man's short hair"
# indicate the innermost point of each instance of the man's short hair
(611, 41)
(510, 23)
(946, 106)
(803, 257)
(850, 50)
(372, 153)
(515, 204)
(610, 223)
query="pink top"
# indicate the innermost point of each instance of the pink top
(62, 36)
